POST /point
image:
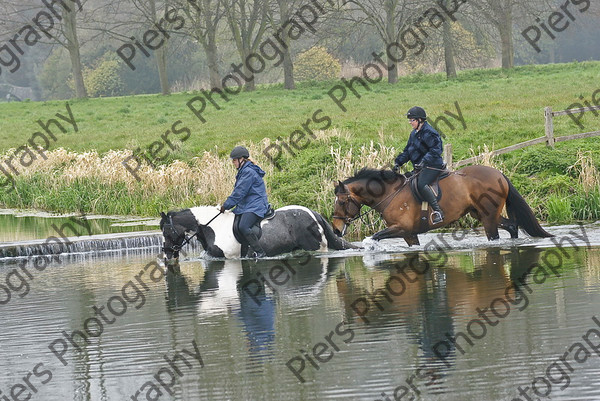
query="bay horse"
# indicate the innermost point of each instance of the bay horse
(291, 228)
(479, 190)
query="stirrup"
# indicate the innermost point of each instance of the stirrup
(258, 255)
(436, 217)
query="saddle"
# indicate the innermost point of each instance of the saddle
(435, 185)
(256, 228)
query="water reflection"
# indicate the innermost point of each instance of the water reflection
(252, 291)
(432, 302)
(257, 314)
(249, 319)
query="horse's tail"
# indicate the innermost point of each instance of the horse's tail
(333, 241)
(519, 211)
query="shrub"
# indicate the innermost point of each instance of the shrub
(558, 184)
(316, 64)
(537, 160)
(586, 206)
(105, 79)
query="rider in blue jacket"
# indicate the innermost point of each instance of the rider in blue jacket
(424, 150)
(249, 197)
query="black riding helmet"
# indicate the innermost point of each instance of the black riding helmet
(239, 152)
(417, 113)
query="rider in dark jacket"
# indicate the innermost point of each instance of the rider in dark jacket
(249, 197)
(424, 150)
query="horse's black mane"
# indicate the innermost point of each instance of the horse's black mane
(171, 213)
(372, 174)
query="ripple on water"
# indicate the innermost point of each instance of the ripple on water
(245, 345)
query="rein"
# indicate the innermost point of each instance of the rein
(349, 220)
(391, 197)
(186, 240)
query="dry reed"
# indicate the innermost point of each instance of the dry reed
(207, 179)
(486, 157)
(345, 164)
(588, 175)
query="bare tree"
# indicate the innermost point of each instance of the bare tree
(204, 17)
(502, 15)
(61, 27)
(247, 20)
(149, 10)
(280, 12)
(389, 18)
(448, 47)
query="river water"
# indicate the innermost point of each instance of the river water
(454, 319)
(28, 225)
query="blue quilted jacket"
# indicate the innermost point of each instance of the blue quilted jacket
(423, 146)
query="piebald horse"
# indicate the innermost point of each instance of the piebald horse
(291, 228)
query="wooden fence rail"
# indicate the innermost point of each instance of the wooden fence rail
(549, 138)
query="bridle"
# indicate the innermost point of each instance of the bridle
(177, 236)
(348, 220)
(187, 239)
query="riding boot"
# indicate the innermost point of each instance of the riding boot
(437, 216)
(259, 252)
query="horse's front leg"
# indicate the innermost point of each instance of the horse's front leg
(412, 240)
(396, 232)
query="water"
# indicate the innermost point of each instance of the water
(348, 309)
(28, 225)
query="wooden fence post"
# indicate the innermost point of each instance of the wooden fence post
(549, 127)
(448, 155)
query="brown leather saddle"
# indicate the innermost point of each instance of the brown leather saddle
(412, 181)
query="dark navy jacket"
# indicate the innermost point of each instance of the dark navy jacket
(423, 146)
(249, 193)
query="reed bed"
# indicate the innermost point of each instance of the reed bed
(205, 180)
(587, 173)
(90, 182)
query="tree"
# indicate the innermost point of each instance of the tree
(247, 20)
(448, 47)
(205, 16)
(61, 26)
(73, 46)
(500, 13)
(280, 12)
(151, 16)
(390, 18)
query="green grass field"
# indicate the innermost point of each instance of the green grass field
(499, 108)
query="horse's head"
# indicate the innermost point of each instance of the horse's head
(174, 236)
(345, 209)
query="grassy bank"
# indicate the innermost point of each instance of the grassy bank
(498, 108)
